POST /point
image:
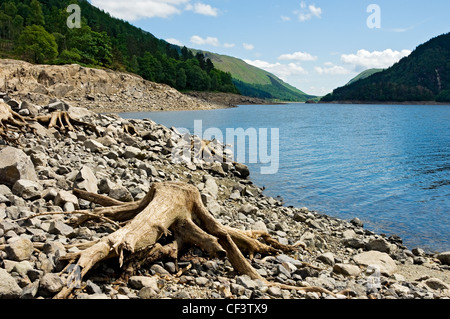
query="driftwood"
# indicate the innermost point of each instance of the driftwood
(170, 210)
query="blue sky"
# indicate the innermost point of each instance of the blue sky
(314, 45)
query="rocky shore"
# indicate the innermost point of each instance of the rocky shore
(94, 89)
(38, 174)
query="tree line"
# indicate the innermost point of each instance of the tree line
(422, 76)
(37, 31)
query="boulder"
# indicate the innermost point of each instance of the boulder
(347, 269)
(444, 257)
(15, 165)
(86, 180)
(9, 289)
(27, 189)
(242, 169)
(20, 249)
(50, 284)
(378, 259)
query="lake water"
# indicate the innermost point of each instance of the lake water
(388, 165)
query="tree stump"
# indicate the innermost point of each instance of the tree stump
(176, 210)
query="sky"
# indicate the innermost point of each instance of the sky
(314, 45)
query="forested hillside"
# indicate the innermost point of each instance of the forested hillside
(422, 76)
(37, 31)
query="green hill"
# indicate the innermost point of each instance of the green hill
(255, 82)
(364, 74)
(423, 76)
(36, 31)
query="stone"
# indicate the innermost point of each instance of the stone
(436, 284)
(133, 152)
(327, 258)
(211, 186)
(444, 257)
(94, 146)
(121, 193)
(50, 284)
(64, 197)
(374, 258)
(357, 222)
(15, 165)
(353, 242)
(20, 249)
(248, 209)
(27, 189)
(379, 244)
(139, 282)
(246, 282)
(86, 180)
(347, 269)
(201, 281)
(275, 292)
(9, 289)
(60, 228)
(243, 170)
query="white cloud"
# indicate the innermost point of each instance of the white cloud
(132, 10)
(229, 45)
(175, 41)
(195, 39)
(364, 59)
(285, 18)
(298, 56)
(248, 46)
(307, 12)
(332, 70)
(204, 9)
(283, 71)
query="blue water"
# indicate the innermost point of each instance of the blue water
(388, 165)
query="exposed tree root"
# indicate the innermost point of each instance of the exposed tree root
(170, 210)
(12, 122)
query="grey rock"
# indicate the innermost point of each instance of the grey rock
(444, 257)
(248, 209)
(159, 269)
(50, 284)
(378, 259)
(27, 189)
(95, 146)
(60, 228)
(139, 282)
(201, 281)
(86, 180)
(347, 269)
(64, 197)
(379, 244)
(357, 222)
(327, 258)
(243, 170)
(147, 293)
(20, 249)
(9, 289)
(353, 242)
(246, 282)
(92, 288)
(436, 284)
(15, 165)
(121, 193)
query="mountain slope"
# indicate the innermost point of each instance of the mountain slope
(363, 75)
(255, 82)
(422, 76)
